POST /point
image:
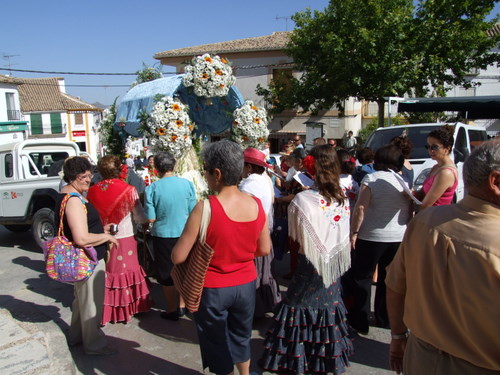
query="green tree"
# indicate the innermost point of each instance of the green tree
(146, 74)
(109, 135)
(372, 49)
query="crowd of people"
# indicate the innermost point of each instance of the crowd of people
(347, 223)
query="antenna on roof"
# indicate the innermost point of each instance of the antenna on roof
(9, 64)
(286, 18)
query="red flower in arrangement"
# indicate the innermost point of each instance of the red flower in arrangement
(309, 164)
(336, 218)
(123, 172)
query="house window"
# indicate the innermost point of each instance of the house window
(12, 113)
(55, 123)
(36, 123)
(79, 118)
(284, 78)
(462, 91)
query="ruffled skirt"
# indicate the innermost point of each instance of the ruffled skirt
(309, 333)
(127, 286)
(267, 295)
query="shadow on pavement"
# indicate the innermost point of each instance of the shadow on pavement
(59, 292)
(370, 352)
(128, 360)
(183, 330)
(22, 240)
(31, 312)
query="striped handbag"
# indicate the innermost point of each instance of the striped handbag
(189, 277)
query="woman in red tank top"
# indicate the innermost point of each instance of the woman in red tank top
(441, 183)
(238, 232)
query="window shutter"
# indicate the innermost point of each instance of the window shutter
(55, 123)
(36, 123)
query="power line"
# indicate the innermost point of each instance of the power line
(77, 73)
(75, 85)
(134, 74)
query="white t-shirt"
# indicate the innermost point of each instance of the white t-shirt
(260, 186)
(387, 214)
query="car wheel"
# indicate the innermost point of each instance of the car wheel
(43, 226)
(18, 228)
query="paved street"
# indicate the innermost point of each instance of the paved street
(35, 315)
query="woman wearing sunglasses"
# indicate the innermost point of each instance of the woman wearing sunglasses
(440, 185)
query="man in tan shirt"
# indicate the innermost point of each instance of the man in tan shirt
(444, 282)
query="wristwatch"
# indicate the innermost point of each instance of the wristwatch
(400, 336)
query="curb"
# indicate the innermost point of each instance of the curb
(31, 343)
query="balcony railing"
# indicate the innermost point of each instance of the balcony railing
(13, 115)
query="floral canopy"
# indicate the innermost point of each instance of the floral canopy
(211, 117)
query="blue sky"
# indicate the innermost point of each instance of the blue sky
(118, 36)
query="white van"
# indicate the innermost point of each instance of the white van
(466, 138)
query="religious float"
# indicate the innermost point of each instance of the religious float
(176, 112)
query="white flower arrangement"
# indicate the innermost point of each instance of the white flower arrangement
(250, 125)
(170, 126)
(209, 76)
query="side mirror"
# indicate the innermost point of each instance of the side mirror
(459, 155)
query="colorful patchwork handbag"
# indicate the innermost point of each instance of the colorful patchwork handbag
(64, 261)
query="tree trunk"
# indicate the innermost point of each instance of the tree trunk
(381, 110)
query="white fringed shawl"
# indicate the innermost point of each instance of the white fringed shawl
(322, 230)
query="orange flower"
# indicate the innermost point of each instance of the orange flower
(245, 138)
(173, 138)
(204, 76)
(235, 123)
(208, 59)
(223, 60)
(176, 107)
(161, 131)
(185, 137)
(261, 140)
(254, 108)
(179, 123)
(191, 127)
(221, 85)
(218, 72)
(256, 120)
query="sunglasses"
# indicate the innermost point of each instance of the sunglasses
(83, 177)
(433, 147)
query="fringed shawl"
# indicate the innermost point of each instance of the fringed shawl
(113, 199)
(322, 230)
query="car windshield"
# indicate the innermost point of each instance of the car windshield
(417, 135)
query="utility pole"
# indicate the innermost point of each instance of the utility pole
(286, 18)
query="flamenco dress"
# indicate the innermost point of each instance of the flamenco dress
(309, 333)
(127, 288)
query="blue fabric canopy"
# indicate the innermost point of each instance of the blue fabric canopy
(211, 117)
